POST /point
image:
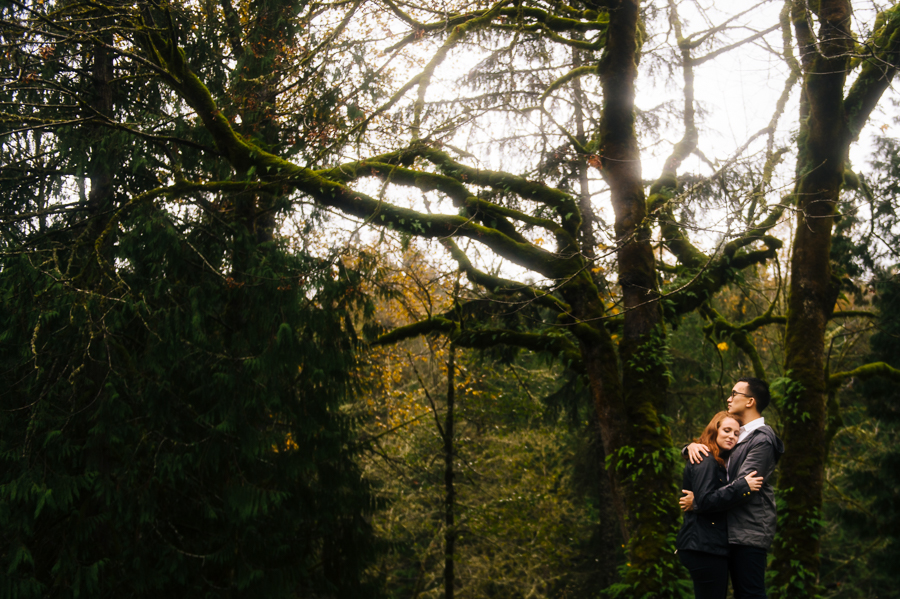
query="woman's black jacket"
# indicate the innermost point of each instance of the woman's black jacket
(704, 527)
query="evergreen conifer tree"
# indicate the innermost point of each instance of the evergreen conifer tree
(152, 446)
(172, 368)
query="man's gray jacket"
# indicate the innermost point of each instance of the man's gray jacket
(752, 521)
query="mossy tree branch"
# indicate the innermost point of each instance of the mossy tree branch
(503, 286)
(244, 156)
(581, 21)
(360, 205)
(489, 213)
(555, 344)
(565, 206)
(694, 260)
(721, 271)
(761, 321)
(575, 20)
(864, 372)
(853, 313)
(567, 77)
(563, 203)
(719, 328)
(877, 71)
(457, 34)
(435, 324)
(548, 33)
(485, 338)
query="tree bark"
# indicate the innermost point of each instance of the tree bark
(637, 444)
(822, 148)
(449, 489)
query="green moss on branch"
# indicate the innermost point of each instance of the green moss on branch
(877, 72)
(582, 21)
(565, 205)
(244, 156)
(571, 75)
(718, 273)
(555, 344)
(853, 313)
(547, 33)
(864, 372)
(486, 338)
(500, 285)
(437, 324)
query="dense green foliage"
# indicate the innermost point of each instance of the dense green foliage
(862, 544)
(173, 372)
(175, 432)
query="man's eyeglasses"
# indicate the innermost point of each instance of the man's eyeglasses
(736, 393)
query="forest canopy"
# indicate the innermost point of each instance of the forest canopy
(275, 272)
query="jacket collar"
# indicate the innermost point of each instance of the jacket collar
(749, 428)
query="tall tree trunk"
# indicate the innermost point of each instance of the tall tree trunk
(98, 170)
(823, 145)
(260, 56)
(449, 489)
(636, 442)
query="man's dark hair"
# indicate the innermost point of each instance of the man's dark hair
(759, 390)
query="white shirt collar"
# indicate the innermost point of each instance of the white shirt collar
(750, 427)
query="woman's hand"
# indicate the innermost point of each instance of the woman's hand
(754, 481)
(696, 452)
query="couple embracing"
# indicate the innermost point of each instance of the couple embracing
(729, 503)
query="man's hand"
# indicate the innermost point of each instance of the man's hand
(687, 502)
(696, 451)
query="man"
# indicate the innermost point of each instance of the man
(751, 522)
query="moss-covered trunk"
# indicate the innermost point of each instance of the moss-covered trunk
(822, 148)
(629, 395)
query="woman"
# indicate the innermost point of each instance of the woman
(702, 542)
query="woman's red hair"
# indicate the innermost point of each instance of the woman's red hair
(710, 433)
